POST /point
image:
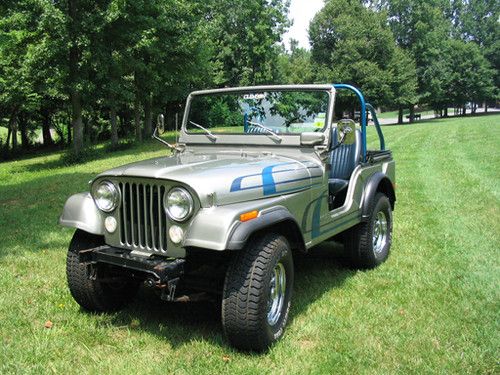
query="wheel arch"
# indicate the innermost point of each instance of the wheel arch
(278, 220)
(378, 183)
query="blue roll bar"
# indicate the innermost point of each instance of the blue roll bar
(364, 107)
(361, 98)
(377, 125)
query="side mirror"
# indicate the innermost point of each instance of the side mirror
(160, 124)
(346, 131)
(311, 138)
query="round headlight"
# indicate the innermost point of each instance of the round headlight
(106, 196)
(179, 204)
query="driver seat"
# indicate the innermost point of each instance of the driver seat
(343, 160)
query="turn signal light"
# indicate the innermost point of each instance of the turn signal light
(249, 215)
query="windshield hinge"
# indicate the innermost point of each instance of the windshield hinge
(322, 152)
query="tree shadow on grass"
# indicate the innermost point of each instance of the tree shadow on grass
(68, 159)
(181, 323)
(29, 213)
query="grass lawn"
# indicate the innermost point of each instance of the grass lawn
(433, 307)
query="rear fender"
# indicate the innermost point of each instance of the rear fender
(379, 182)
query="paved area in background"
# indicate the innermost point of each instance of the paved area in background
(392, 121)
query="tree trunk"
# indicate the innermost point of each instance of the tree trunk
(445, 111)
(86, 130)
(148, 116)
(47, 137)
(13, 128)
(137, 118)
(74, 56)
(70, 130)
(464, 110)
(412, 114)
(76, 121)
(400, 115)
(114, 127)
(24, 132)
(485, 107)
(9, 133)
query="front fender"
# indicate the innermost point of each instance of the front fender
(214, 228)
(243, 230)
(81, 212)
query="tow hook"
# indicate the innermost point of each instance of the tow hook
(168, 293)
(150, 282)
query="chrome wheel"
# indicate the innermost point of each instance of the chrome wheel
(277, 290)
(380, 232)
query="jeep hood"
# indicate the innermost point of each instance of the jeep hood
(229, 177)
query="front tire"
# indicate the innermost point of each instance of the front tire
(257, 293)
(368, 244)
(96, 293)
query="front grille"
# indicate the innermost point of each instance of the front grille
(143, 223)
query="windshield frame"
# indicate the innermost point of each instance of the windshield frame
(288, 139)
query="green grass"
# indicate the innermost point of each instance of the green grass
(431, 308)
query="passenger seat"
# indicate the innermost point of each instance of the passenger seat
(343, 160)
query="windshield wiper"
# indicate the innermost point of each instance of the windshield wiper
(208, 133)
(275, 135)
(171, 146)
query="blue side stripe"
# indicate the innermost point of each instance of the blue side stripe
(298, 189)
(316, 228)
(273, 184)
(268, 182)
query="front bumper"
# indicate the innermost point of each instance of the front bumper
(157, 271)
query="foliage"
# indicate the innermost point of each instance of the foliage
(353, 44)
(243, 35)
(478, 21)
(471, 75)
(109, 63)
(296, 66)
(404, 78)
(425, 28)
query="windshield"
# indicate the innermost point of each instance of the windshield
(258, 112)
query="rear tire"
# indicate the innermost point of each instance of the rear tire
(368, 244)
(93, 294)
(257, 293)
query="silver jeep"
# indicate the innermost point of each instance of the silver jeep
(258, 174)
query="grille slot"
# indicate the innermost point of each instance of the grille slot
(143, 223)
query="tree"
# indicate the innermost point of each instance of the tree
(245, 35)
(471, 77)
(296, 66)
(17, 30)
(477, 21)
(404, 83)
(353, 44)
(422, 28)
